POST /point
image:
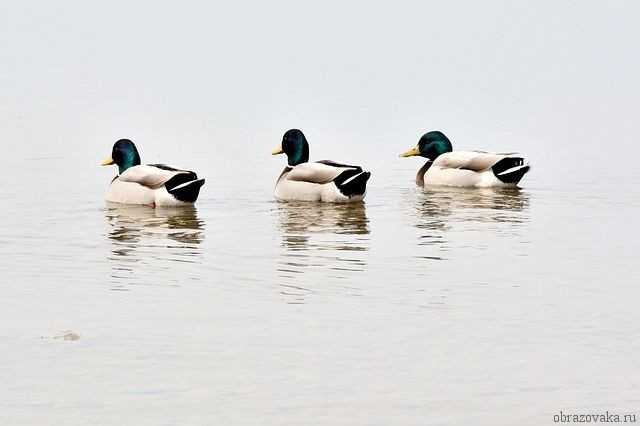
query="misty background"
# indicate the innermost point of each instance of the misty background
(556, 81)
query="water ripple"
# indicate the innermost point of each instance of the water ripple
(144, 239)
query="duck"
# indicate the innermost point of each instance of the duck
(325, 180)
(156, 185)
(478, 169)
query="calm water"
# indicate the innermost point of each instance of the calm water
(419, 306)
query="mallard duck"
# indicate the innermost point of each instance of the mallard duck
(152, 184)
(324, 180)
(464, 168)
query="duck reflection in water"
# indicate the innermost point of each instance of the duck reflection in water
(438, 209)
(325, 242)
(300, 221)
(484, 204)
(138, 227)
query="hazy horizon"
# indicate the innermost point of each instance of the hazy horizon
(529, 76)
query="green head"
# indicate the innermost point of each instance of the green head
(124, 154)
(295, 145)
(431, 145)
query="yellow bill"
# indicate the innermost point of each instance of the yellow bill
(413, 151)
(277, 151)
(107, 162)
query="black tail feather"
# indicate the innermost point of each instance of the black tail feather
(185, 186)
(502, 169)
(352, 182)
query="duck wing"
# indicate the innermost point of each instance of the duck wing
(338, 164)
(468, 160)
(152, 176)
(320, 172)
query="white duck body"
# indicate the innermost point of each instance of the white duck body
(472, 169)
(325, 181)
(155, 184)
(477, 169)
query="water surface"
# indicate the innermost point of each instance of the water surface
(419, 306)
(420, 303)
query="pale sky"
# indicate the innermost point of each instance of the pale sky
(533, 76)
